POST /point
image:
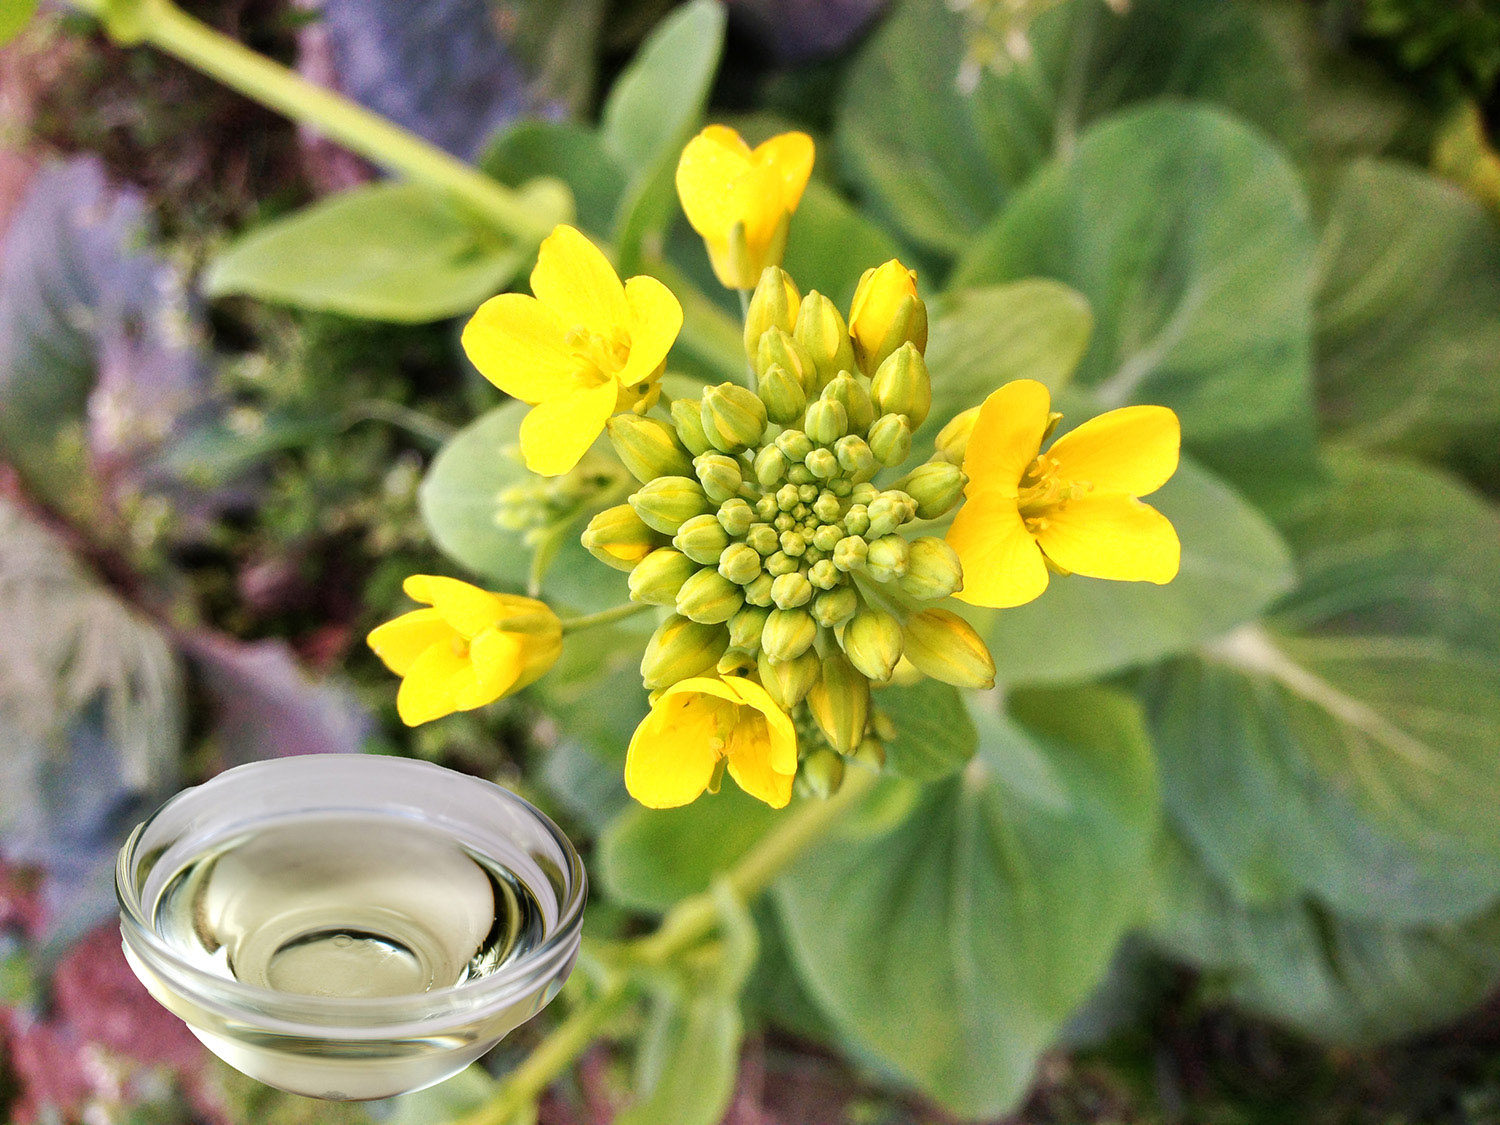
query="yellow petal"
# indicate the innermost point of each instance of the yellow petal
(791, 156)
(1006, 437)
(672, 754)
(496, 660)
(1111, 535)
(711, 166)
(557, 433)
(656, 318)
(1132, 450)
(516, 342)
(467, 608)
(751, 769)
(575, 280)
(780, 729)
(431, 686)
(398, 643)
(1002, 564)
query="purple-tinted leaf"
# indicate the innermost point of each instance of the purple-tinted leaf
(797, 31)
(265, 706)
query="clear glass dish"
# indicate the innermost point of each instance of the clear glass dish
(347, 926)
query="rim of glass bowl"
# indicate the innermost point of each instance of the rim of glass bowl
(251, 1005)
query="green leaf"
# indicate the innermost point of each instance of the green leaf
(461, 501)
(1339, 979)
(561, 150)
(940, 163)
(1233, 566)
(689, 1060)
(830, 245)
(934, 734)
(387, 251)
(989, 909)
(652, 111)
(1353, 734)
(983, 338)
(1188, 234)
(14, 16)
(1408, 313)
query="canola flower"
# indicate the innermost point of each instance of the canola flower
(796, 558)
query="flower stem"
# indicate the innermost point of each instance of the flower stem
(603, 617)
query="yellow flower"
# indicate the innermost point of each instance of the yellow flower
(470, 648)
(694, 725)
(1073, 508)
(741, 201)
(582, 349)
(886, 313)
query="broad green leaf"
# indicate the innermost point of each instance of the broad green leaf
(981, 339)
(690, 1058)
(830, 245)
(14, 16)
(934, 734)
(1233, 566)
(939, 163)
(1408, 313)
(652, 111)
(1346, 747)
(986, 913)
(1346, 980)
(1188, 234)
(561, 150)
(387, 251)
(479, 477)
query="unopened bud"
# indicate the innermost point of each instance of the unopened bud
(735, 516)
(770, 466)
(902, 385)
(763, 537)
(782, 393)
(773, 305)
(734, 663)
(827, 537)
(871, 753)
(740, 564)
(680, 649)
(857, 403)
(935, 486)
(667, 502)
(872, 641)
(793, 544)
(794, 445)
(648, 448)
(788, 681)
(789, 591)
(658, 576)
(886, 313)
(822, 464)
(788, 634)
(719, 474)
(890, 439)
(710, 598)
(778, 348)
(758, 593)
(855, 457)
(688, 421)
(702, 539)
(822, 771)
(953, 439)
(833, 607)
(824, 337)
(745, 628)
(619, 537)
(933, 570)
(840, 703)
(827, 421)
(850, 552)
(780, 563)
(945, 646)
(888, 557)
(886, 515)
(733, 417)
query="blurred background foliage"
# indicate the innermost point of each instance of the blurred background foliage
(1224, 851)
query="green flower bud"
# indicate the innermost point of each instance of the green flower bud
(734, 663)
(680, 649)
(777, 347)
(890, 439)
(719, 474)
(945, 646)
(827, 507)
(702, 539)
(649, 448)
(733, 417)
(793, 543)
(688, 420)
(773, 305)
(871, 753)
(736, 516)
(840, 486)
(872, 641)
(855, 457)
(658, 576)
(745, 627)
(822, 771)
(863, 493)
(827, 537)
(758, 593)
(824, 337)
(766, 509)
(902, 385)
(709, 597)
(826, 422)
(795, 444)
(953, 439)
(780, 563)
(840, 703)
(807, 493)
(788, 681)
(782, 393)
(740, 564)
(933, 570)
(850, 553)
(823, 574)
(789, 591)
(763, 537)
(833, 607)
(788, 634)
(619, 538)
(667, 502)
(851, 392)
(857, 519)
(787, 498)
(887, 558)
(822, 464)
(770, 466)
(886, 514)
(785, 521)
(935, 486)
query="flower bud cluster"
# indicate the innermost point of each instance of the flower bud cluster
(761, 525)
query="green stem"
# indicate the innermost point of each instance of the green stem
(413, 421)
(603, 617)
